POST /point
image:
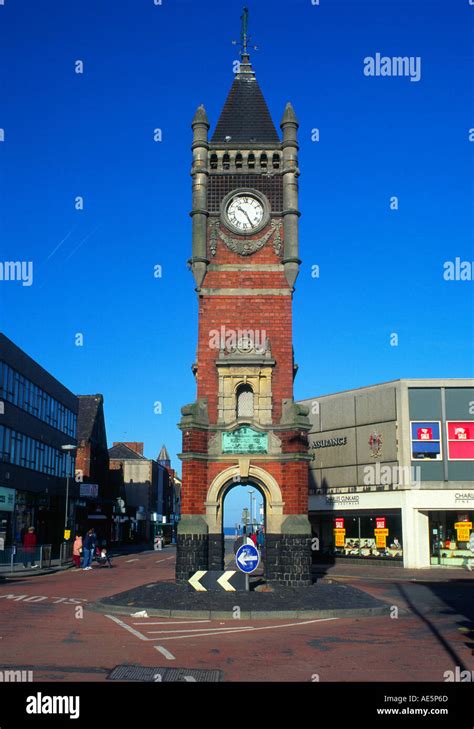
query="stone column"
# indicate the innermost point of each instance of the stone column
(289, 126)
(199, 213)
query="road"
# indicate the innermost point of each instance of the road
(46, 626)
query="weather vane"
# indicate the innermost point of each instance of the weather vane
(244, 37)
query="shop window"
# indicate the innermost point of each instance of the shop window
(425, 441)
(460, 440)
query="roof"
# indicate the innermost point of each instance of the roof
(121, 452)
(87, 414)
(163, 455)
(245, 116)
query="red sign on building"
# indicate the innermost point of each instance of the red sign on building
(339, 523)
(461, 440)
(425, 433)
(380, 522)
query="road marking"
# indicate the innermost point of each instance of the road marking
(132, 560)
(127, 627)
(196, 630)
(248, 629)
(176, 622)
(163, 560)
(166, 653)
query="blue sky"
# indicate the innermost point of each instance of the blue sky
(147, 67)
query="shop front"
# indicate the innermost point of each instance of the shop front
(450, 533)
(7, 508)
(372, 535)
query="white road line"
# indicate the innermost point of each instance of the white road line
(166, 653)
(163, 560)
(196, 630)
(127, 627)
(176, 622)
(249, 629)
(132, 560)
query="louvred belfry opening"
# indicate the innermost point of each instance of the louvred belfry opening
(244, 425)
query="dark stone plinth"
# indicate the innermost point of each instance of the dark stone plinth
(288, 559)
(216, 551)
(191, 555)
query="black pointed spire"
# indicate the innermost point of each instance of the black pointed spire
(245, 117)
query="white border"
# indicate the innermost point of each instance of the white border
(426, 460)
(452, 440)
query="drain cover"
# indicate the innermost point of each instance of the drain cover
(160, 674)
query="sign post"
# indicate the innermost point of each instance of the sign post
(247, 560)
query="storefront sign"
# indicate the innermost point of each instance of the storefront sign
(67, 534)
(339, 537)
(467, 498)
(339, 523)
(426, 440)
(380, 522)
(328, 442)
(89, 489)
(342, 500)
(460, 440)
(245, 440)
(463, 530)
(381, 535)
(7, 499)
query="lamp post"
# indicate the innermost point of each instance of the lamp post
(68, 448)
(250, 493)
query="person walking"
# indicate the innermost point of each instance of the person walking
(77, 551)
(253, 537)
(29, 548)
(88, 547)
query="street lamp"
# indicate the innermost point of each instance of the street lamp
(250, 493)
(68, 448)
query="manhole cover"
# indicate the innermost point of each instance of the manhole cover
(159, 674)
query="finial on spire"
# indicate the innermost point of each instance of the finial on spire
(244, 36)
(243, 32)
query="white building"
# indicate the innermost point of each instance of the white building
(396, 457)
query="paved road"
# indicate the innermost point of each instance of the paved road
(46, 625)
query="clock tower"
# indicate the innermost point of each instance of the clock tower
(244, 427)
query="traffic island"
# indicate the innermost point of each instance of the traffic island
(172, 600)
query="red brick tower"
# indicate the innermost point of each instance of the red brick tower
(244, 426)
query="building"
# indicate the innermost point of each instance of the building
(392, 463)
(97, 505)
(38, 416)
(244, 426)
(147, 488)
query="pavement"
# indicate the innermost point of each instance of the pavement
(367, 571)
(48, 625)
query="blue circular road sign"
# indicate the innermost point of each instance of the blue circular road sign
(247, 558)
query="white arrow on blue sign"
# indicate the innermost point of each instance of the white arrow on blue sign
(247, 558)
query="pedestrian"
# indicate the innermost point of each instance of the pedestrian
(253, 537)
(260, 539)
(88, 547)
(77, 551)
(29, 548)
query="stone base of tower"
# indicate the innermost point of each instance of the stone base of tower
(192, 547)
(288, 554)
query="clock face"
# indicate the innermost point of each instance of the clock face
(244, 212)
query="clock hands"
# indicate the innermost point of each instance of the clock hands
(245, 213)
